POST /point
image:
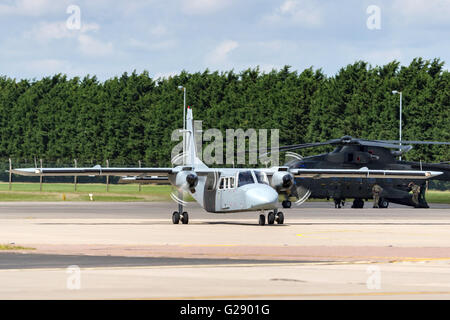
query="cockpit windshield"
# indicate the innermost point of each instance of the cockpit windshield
(245, 177)
(261, 177)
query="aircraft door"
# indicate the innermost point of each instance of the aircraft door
(226, 194)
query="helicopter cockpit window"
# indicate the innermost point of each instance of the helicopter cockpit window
(261, 177)
(245, 177)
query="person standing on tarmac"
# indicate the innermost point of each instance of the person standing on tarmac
(376, 192)
(415, 191)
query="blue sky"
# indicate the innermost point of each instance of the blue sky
(165, 37)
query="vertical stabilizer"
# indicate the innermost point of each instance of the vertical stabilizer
(190, 152)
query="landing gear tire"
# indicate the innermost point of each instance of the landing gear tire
(286, 204)
(271, 218)
(358, 204)
(280, 218)
(262, 220)
(383, 203)
(176, 217)
(185, 218)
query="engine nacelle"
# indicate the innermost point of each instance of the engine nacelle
(282, 180)
(187, 180)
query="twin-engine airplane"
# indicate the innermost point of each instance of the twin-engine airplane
(224, 190)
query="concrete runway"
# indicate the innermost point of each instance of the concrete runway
(133, 251)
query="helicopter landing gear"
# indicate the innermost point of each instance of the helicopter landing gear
(358, 203)
(383, 203)
(338, 202)
(286, 204)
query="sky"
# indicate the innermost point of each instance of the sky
(40, 38)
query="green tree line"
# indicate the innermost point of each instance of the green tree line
(131, 117)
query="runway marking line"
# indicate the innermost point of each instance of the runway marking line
(285, 264)
(346, 294)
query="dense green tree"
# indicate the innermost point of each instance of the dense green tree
(131, 117)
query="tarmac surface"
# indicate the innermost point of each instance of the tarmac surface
(133, 251)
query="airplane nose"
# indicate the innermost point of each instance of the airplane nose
(261, 197)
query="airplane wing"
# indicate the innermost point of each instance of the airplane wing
(93, 171)
(363, 173)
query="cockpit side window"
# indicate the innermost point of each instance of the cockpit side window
(245, 177)
(261, 177)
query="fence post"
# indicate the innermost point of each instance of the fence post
(40, 179)
(140, 185)
(10, 174)
(75, 177)
(107, 177)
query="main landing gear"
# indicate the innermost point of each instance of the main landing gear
(358, 203)
(272, 217)
(180, 215)
(177, 217)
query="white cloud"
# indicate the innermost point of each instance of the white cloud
(204, 6)
(381, 57)
(32, 7)
(304, 13)
(422, 11)
(92, 47)
(159, 31)
(46, 31)
(219, 55)
(165, 75)
(152, 45)
(48, 65)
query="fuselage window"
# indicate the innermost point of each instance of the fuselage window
(226, 183)
(245, 177)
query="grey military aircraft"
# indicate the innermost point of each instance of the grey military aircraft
(225, 190)
(356, 153)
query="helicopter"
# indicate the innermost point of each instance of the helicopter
(355, 153)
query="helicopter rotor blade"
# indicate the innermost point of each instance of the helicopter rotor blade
(416, 142)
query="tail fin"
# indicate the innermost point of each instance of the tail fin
(190, 152)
